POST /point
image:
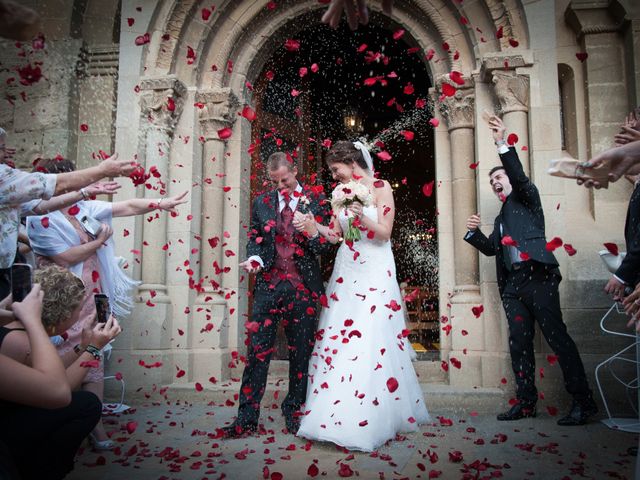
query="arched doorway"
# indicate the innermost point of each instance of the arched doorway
(327, 85)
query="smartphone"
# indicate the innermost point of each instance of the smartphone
(102, 307)
(91, 226)
(21, 281)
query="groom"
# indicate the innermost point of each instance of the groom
(528, 279)
(287, 288)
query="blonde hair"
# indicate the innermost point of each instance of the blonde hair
(63, 293)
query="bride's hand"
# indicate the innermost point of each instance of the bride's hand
(355, 209)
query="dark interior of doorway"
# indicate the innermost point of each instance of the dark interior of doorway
(298, 110)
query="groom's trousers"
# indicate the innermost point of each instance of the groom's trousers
(297, 309)
(530, 295)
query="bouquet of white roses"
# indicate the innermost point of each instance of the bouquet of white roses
(344, 195)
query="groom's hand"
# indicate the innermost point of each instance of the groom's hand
(250, 266)
(473, 222)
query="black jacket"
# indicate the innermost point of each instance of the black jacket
(629, 270)
(262, 239)
(522, 218)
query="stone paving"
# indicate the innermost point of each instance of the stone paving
(175, 440)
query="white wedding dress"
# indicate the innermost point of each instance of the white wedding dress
(362, 387)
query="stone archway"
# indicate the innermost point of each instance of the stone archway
(226, 52)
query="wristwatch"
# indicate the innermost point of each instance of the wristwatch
(500, 143)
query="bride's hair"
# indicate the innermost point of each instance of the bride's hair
(344, 152)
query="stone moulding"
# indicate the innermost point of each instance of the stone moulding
(98, 61)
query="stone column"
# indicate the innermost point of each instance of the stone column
(598, 27)
(209, 348)
(467, 334)
(458, 111)
(512, 91)
(161, 102)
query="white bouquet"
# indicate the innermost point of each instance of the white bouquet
(344, 195)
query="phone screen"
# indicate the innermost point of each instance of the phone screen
(21, 280)
(102, 307)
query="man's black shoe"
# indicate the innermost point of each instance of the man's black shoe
(237, 430)
(293, 423)
(579, 414)
(518, 411)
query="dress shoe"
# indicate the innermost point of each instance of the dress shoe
(579, 414)
(293, 423)
(237, 430)
(518, 411)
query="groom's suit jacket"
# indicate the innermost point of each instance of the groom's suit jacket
(521, 217)
(262, 238)
(629, 270)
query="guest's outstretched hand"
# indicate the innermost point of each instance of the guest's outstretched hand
(356, 11)
(102, 188)
(631, 305)
(619, 160)
(170, 203)
(615, 288)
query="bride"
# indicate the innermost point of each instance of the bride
(362, 387)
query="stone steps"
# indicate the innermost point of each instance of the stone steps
(441, 398)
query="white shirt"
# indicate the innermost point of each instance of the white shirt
(20, 192)
(293, 199)
(293, 204)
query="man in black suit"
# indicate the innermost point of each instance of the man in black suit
(528, 279)
(288, 287)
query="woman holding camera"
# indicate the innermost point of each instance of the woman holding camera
(80, 239)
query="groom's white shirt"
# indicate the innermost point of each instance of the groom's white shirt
(293, 204)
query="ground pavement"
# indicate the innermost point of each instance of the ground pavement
(175, 440)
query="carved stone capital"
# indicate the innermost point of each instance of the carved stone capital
(512, 90)
(217, 110)
(161, 101)
(588, 17)
(459, 109)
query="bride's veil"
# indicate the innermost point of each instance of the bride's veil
(366, 155)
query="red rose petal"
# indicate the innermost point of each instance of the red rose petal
(224, 133)
(84, 127)
(392, 384)
(384, 156)
(206, 13)
(292, 45)
(582, 56)
(398, 34)
(434, 122)
(95, 276)
(612, 248)
(512, 139)
(477, 311)
(73, 210)
(448, 90)
(45, 222)
(570, 250)
(427, 188)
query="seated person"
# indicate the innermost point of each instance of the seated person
(63, 297)
(41, 418)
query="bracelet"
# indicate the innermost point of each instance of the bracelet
(93, 350)
(500, 143)
(77, 349)
(83, 192)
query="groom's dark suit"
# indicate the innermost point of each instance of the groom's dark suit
(287, 288)
(529, 289)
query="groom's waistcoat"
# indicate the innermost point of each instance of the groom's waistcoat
(284, 265)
